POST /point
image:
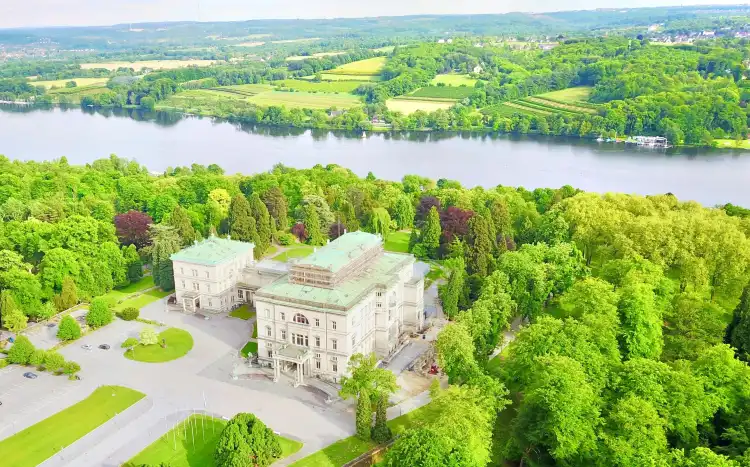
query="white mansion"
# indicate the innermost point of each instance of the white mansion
(347, 297)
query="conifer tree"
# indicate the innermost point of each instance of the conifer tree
(350, 217)
(165, 243)
(180, 220)
(430, 235)
(312, 224)
(242, 225)
(480, 246)
(364, 415)
(11, 317)
(262, 218)
(277, 206)
(738, 332)
(381, 432)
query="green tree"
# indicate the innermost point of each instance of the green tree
(429, 238)
(133, 263)
(259, 212)
(364, 415)
(21, 351)
(312, 224)
(68, 297)
(633, 435)
(37, 358)
(451, 292)
(148, 336)
(242, 225)
(738, 332)
(349, 216)
(246, 442)
(12, 317)
(71, 368)
(366, 382)
(68, 330)
(641, 332)
(99, 313)
(380, 222)
(180, 221)
(381, 433)
(166, 242)
(403, 212)
(455, 352)
(129, 314)
(481, 244)
(54, 362)
(278, 207)
(425, 447)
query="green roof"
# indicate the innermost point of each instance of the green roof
(212, 251)
(382, 271)
(341, 251)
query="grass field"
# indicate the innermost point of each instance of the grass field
(560, 106)
(294, 251)
(296, 58)
(60, 83)
(345, 77)
(732, 144)
(408, 106)
(114, 296)
(152, 64)
(368, 67)
(454, 80)
(35, 444)
(192, 444)
(397, 242)
(250, 347)
(295, 41)
(243, 312)
(345, 450)
(443, 92)
(179, 343)
(306, 100)
(323, 86)
(142, 300)
(576, 94)
(259, 94)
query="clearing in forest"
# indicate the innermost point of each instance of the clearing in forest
(570, 95)
(453, 79)
(454, 93)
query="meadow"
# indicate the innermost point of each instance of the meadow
(152, 64)
(443, 92)
(368, 67)
(294, 41)
(575, 94)
(345, 77)
(454, 80)
(295, 58)
(323, 86)
(80, 82)
(306, 100)
(408, 106)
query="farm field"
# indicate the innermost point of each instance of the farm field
(443, 92)
(295, 58)
(323, 86)
(152, 64)
(344, 77)
(35, 444)
(454, 80)
(408, 106)
(576, 94)
(506, 109)
(306, 100)
(80, 82)
(294, 41)
(368, 67)
(559, 106)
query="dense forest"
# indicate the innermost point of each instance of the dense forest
(636, 309)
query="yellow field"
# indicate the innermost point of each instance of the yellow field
(305, 100)
(296, 58)
(260, 94)
(454, 80)
(60, 83)
(152, 64)
(293, 41)
(408, 106)
(732, 144)
(371, 66)
(577, 94)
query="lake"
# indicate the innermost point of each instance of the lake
(160, 140)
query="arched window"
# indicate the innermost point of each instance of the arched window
(300, 318)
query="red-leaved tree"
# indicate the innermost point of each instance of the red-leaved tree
(454, 223)
(132, 228)
(300, 231)
(423, 209)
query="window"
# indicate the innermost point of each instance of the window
(270, 353)
(354, 340)
(183, 284)
(317, 341)
(300, 318)
(335, 364)
(209, 303)
(301, 340)
(283, 334)
(268, 331)
(317, 364)
(206, 274)
(182, 271)
(240, 294)
(334, 344)
(195, 273)
(317, 355)
(379, 305)
(389, 314)
(283, 316)
(268, 313)
(379, 294)
(196, 286)
(317, 322)
(208, 286)
(333, 325)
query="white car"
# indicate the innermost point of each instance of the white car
(87, 347)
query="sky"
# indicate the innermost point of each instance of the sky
(33, 13)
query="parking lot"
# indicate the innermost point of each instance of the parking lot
(175, 387)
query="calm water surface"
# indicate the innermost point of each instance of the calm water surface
(161, 140)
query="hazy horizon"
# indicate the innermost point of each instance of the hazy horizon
(66, 13)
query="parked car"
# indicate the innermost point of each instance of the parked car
(104, 346)
(29, 375)
(87, 347)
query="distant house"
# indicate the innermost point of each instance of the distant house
(708, 34)
(335, 113)
(547, 46)
(441, 41)
(478, 69)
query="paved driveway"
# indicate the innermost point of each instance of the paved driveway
(173, 390)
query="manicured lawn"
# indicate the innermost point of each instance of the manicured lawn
(271, 251)
(345, 450)
(39, 442)
(243, 312)
(294, 251)
(250, 347)
(398, 242)
(179, 343)
(192, 443)
(143, 299)
(306, 100)
(114, 296)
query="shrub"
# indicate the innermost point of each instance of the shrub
(37, 358)
(129, 314)
(69, 329)
(148, 336)
(245, 437)
(3, 362)
(21, 351)
(54, 362)
(99, 314)
(286, 239)
(71, 368)
(300, 231)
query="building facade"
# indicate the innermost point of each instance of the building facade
(348, 297)
(206, 274)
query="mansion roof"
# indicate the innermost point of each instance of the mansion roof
(212, 251)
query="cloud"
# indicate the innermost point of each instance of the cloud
(24, 13)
